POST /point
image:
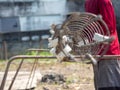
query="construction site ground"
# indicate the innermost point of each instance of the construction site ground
(78, 76)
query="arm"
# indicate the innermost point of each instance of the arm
(107, 12)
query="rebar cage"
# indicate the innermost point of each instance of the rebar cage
(78, 31)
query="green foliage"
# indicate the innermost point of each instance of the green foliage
(43, 53)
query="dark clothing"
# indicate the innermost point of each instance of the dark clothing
(108, 73)
(110, 88)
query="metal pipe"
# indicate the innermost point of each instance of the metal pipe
(16, 74)
(54, 57)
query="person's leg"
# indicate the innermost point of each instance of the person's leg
(109, 75)
(110, 88)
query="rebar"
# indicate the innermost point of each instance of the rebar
(80, 29)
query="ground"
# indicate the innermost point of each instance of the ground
(77, 76)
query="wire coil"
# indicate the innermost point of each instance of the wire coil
(80, 29)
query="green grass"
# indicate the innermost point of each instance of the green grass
(43, 53)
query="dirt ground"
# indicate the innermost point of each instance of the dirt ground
(78, 76)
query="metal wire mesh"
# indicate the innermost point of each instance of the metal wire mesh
(80, 28)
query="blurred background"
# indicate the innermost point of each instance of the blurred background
(25, 24)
